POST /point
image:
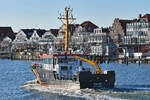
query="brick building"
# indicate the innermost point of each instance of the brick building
(118, 29)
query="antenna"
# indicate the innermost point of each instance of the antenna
(62, 17)
(66, 20)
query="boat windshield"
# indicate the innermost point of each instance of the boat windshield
(48, 60)
(64, 60)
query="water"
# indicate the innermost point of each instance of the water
(132, 83)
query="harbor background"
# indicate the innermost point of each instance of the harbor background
(132, 82)
(116, 33)
(127, 40)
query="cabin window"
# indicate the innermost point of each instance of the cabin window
(64, 67)
(70, 67)
(58, 60)
(71, 59)
(80, 63)
(48, 60)
(55, 61)
(63, 60)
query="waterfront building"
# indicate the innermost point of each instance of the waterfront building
(28, 36)
(5, 47)
(59, 40)
(88, 26)
(46, 41)
(137, 38)
(100, 42)
(61, 32)
(78, 35)
(118, 29)
(100, 36)
(20, 37)
(79, 39)
(27, 40)
(47, 38)
(35, 37)
(6, 37)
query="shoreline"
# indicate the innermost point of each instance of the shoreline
(93, 58)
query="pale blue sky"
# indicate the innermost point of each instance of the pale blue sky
(43, 13)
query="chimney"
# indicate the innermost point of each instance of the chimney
(140, 16)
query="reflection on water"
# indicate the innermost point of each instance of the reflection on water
(132, 82)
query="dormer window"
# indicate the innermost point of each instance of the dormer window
(29, 33)
(89, 28)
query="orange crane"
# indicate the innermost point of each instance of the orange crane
(98, 69)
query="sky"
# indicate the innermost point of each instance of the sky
(20, 14)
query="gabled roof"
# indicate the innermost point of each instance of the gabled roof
(29, 32)
(54, 31)
(40, 32)
(147, 16)
(6, 31)
(7, 38)
(87, 25)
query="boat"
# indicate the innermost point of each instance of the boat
(67, 70)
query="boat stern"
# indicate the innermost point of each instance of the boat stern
(89, 80)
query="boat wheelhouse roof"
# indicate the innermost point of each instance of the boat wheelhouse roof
(59, 55)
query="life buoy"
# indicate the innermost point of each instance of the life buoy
(34, 66)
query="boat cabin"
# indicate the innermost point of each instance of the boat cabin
(64, 66)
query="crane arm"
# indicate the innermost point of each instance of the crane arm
(98, 70)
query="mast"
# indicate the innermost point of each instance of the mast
(67, 30)
(68, 16)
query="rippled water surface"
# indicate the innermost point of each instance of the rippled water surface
(132, 83)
